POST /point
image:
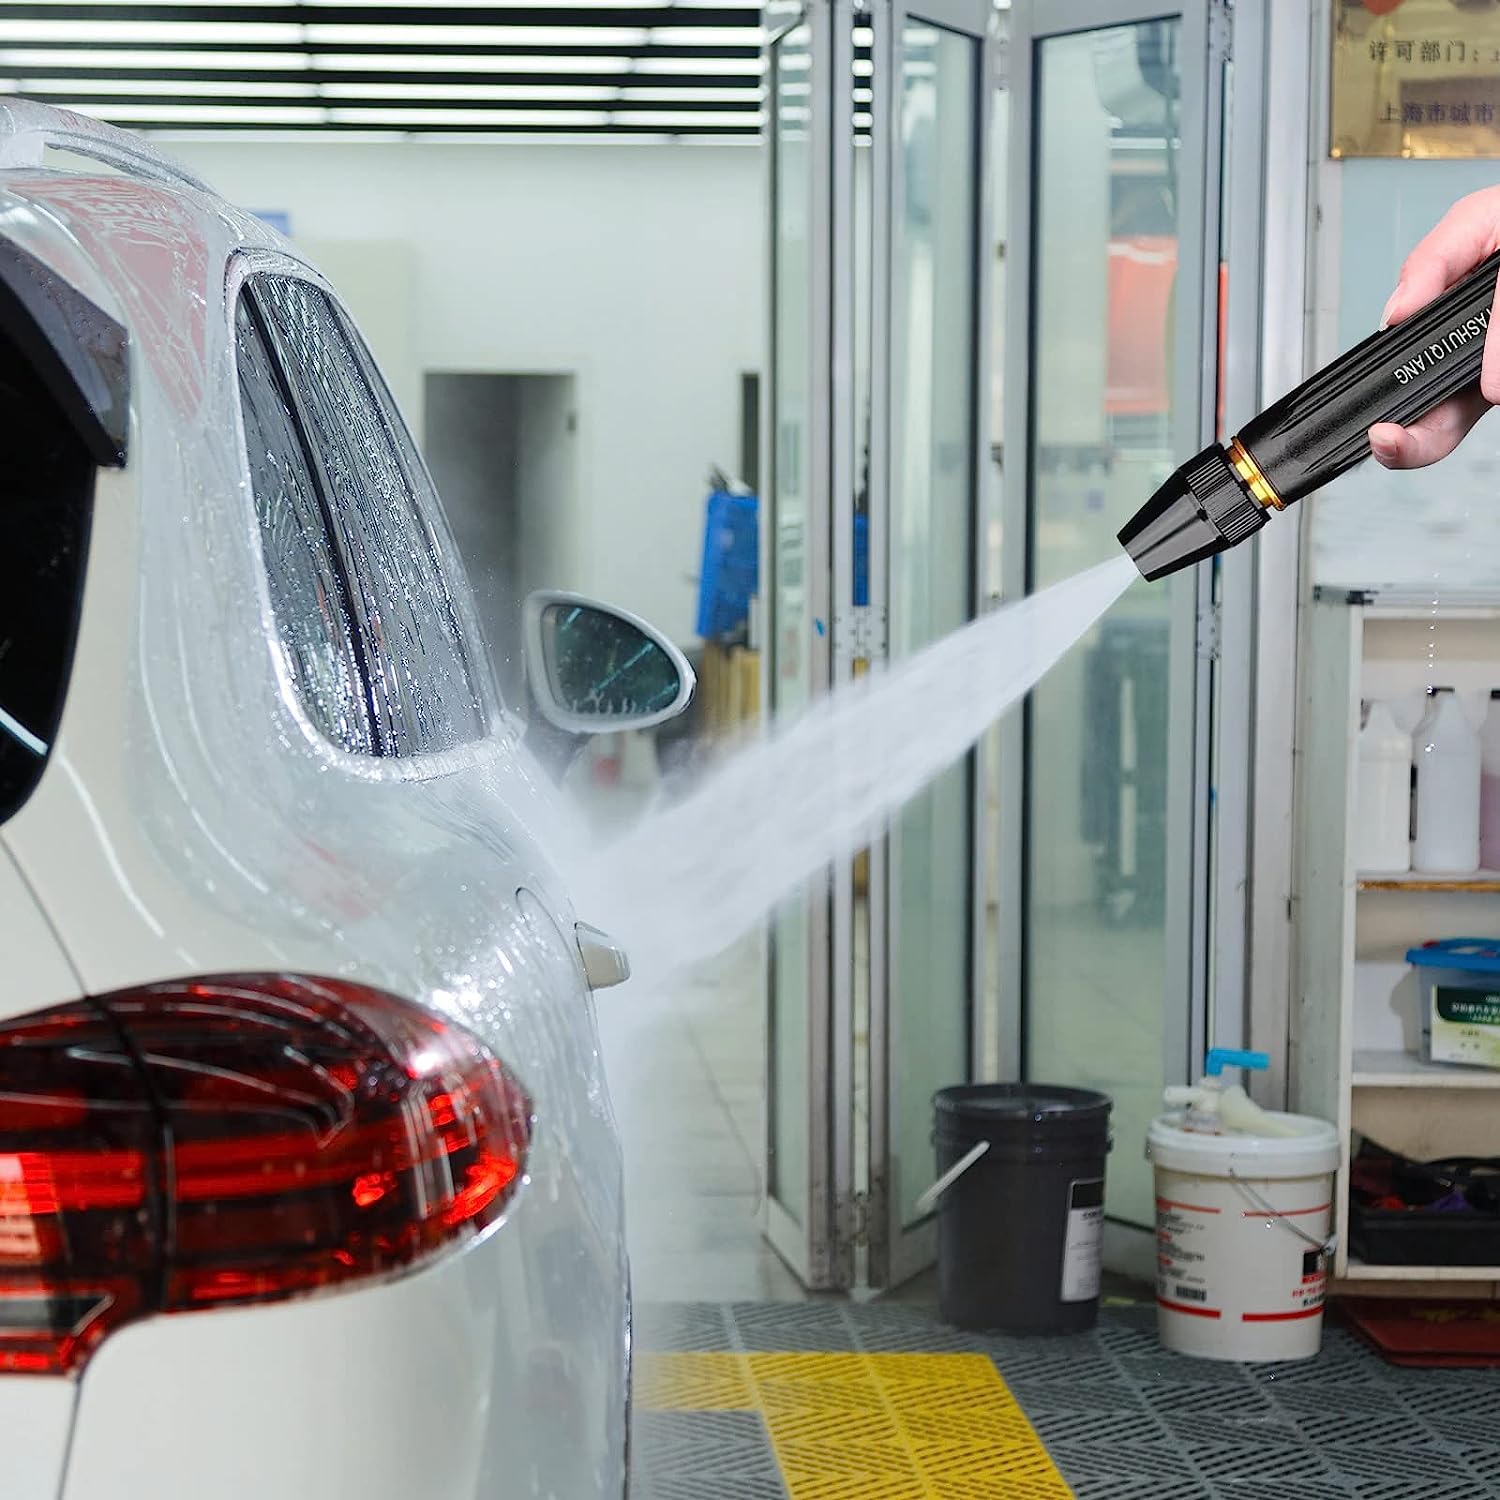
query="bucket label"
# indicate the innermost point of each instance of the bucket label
(1083, 1250)
(1181, 1259)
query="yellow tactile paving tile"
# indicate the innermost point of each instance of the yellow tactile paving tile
(870, 1426)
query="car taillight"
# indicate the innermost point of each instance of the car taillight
(79, 1211)
(236, 1139)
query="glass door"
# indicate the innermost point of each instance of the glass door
(879, 118)
(1120, 356)
(930, 111)
(808, 1131)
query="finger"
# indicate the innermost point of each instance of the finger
(1430, 437)
(1454, 246)
(1489, 375)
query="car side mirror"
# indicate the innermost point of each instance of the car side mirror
(595, 669)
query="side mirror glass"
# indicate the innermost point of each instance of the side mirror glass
(594, 669)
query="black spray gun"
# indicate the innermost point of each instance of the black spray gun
(1317, 431)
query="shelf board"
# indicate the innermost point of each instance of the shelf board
(1482, 883)
(1378, 1068)
(1357, 1270)
(1384, 602)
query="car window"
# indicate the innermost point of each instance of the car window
(309, 584)
(425, 692)
(46, 500)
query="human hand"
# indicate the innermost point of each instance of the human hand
(1463, 237)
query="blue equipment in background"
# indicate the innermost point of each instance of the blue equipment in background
(729, 578)
(731, 564)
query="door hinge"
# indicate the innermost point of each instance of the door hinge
(859, 634)
(1209, 632)
(1221, 32)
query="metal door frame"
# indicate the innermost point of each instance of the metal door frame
(1270, 254)
(896, 1253)
(1204, 36)
(1294, 35)
(834, 1266)
(816, 1250)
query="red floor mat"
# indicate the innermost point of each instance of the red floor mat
(1427, 1334)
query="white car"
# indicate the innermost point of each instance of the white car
(309, 1183)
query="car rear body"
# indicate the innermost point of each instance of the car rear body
(194, 817)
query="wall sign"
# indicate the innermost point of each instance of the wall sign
(1417, 78)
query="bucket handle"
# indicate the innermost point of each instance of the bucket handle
(1324, 1247)
(928, 1201)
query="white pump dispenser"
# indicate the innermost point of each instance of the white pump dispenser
(1212, 1108)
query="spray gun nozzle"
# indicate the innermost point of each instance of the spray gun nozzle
(1201, 510)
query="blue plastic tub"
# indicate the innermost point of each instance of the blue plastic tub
(1460, 1008)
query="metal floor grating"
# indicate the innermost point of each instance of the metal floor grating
(837, 1401)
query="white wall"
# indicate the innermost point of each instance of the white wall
(637, 268)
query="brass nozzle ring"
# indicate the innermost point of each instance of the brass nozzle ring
(1251, 477)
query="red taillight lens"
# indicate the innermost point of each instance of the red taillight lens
(317, 1132)
(290, 1134)
(79, 1208)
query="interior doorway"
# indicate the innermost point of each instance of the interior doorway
(502, 451)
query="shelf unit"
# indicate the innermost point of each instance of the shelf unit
(1356, 1272)
(1485, 883)
(1388, 1068)
(1355, 1020)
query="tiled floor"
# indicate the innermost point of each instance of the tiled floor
(836, 1401)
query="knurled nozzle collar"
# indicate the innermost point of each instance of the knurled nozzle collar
(1224, 501)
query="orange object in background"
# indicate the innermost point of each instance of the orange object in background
(1142, 279)
(1142, 270)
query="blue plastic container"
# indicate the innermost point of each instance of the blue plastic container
(729, 577)
(1460, 1005)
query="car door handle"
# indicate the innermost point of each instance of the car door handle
(604, 960)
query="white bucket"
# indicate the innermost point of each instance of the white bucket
(1241, 1226)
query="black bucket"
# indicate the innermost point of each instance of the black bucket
(1020, 1231)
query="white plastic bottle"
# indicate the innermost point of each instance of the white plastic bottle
(1382, 835)
(1418, 737)
(1489, 791)
(1445, 749)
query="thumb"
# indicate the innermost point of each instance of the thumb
(1430, 437)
